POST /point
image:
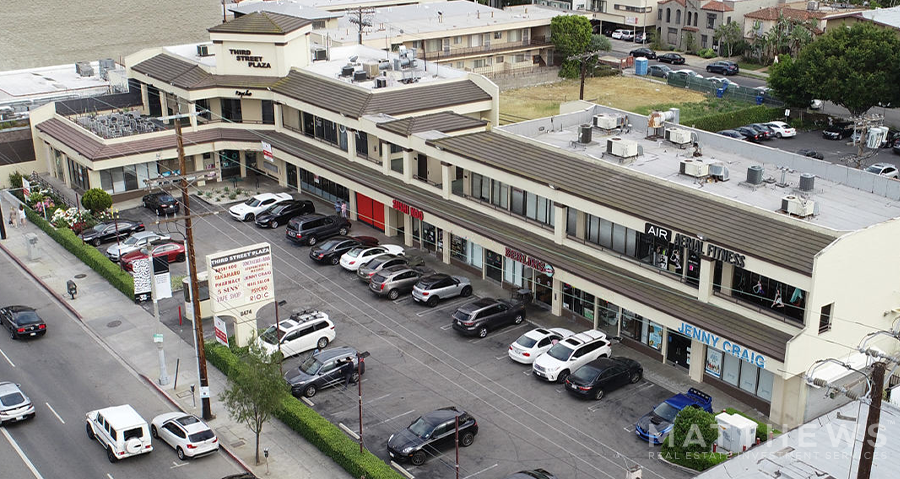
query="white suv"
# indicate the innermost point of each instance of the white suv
(248, 210)
(303, 332)
(570, 354)
(120, 430)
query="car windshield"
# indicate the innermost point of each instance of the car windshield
(272, 335)
(11, 399)
(166, 198)
(252, 202)
(136, 239)
(353, 253)
(378, 278)
(201, 436)
(27, 317)
(874, 169)
(330, 244)
(585, 374)
(666, 411)
(276, 210)
(134, 433)
(420, 427)
(560, 351)
(100, 227)
(525, 341)
(310, 366)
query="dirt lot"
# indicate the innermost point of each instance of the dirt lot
(618, 92)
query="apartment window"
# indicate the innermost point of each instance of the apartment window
(482, 62)
(498, 35)
(729, 20)
(460, 65)
(202, 107)
(711, 21)
(520, 58)
(514, 36)
(703, 40)
(231, 109)
(688, 22)
(668, 15)
(498, 60)
(825, 318)
(598, 6)
(677, 17)
(695, 19)
(659, 15)
(571, 221)
(457, 40)
(433, 45)
(318, 24)
(268, 112)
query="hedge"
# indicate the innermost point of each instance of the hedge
(86, 253)
(733, 119)
(321, 433)
(698, 461)
(762, 429)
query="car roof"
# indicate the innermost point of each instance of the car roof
(121, 417)
(442, 414)
(7, 387)
(18, 308)
(585, 337)
(397, 268)
(882, 165)
(331, 353)
(478, 304)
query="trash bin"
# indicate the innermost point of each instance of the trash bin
(34, 252)
(720, 92)
(759, 100)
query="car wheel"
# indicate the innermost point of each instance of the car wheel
(144, 204)
(322, 343)
(312, 240)
(482, 332)
(466, 292)
(111, 455)
(778, 135)
(97, 242)
(635, 378)
(274, 224)
(12, 335)
(343, 231)
(354, 378)
(393, 294)
(310, 391)
(562, 376)
(418, 458)
(467, 439)
(249, 217)
(598, 395)
(179, 258)
(335, 260)
(519, 318)
(90, 432)
(708, 69)
(154, 432)
(432, 301)
(180, 453)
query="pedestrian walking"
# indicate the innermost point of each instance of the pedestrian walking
(13, 216)
(21, 215)
(347, 370)
(344, 209)
(337, 207)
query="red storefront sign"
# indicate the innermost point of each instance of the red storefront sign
(409, 210)
(529, 261)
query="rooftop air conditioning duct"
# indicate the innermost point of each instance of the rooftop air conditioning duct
(622, 148)
(719, 171)
(678, 136)
(607, 122)
(812, 6)
(380, 82)
(755, 175)
(202, 50)
(347, 70)
(359, 76)
(106, 64)
(797, 206)
(320, 54)
(371, 69)
(807, 181)
(84, 69)
(694, 167)
(584, 134)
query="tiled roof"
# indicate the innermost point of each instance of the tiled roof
(690, 29)
(717, 7)
(332, 95)
(262, 23)
(445, 122)
(189, 76)
(680, 2)
(772, 13)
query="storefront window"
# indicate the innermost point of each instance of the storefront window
(268, 112)
(78, 176)
(745, 375)
(231, 110)
(464, 250)
(660, 253)
(608, 313)
(611, 235)
(578, 301)
(323, 187)
(641, 329)
(493, 264)
(513, 271)
(126, 178)
(778, 297)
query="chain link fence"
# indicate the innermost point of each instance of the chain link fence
(724, 89)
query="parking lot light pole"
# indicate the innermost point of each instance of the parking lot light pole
(278, 335)
(360, 359)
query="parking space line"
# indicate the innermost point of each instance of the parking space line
(449, 304)
(444, 328)
(7, 358)
(392, 418)
(402, 300)
(177, 465)
(595, 407)
(402, 470)
(498, 358)
(560, 390)
(504, 331)
(479, 472)
(629, 428)
(528, 372)
(348, 431)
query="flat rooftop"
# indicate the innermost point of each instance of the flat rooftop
(49, 83)
(248, 6)
(840, 207)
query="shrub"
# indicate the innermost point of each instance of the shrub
(232, 196)
(15, 180)
(732, 119)
(692, 460)
(707, 53)
(96, 200)
(691, 440)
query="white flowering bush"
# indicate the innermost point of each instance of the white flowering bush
(68, 218)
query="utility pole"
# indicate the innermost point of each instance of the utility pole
(158, 338)
(867, 453)
(357, 17)
(456, 439)
(583, 58)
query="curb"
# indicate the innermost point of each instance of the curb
(62, 301)
(169, 398)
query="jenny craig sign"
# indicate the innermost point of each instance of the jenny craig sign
(721, 344)
(239, 278)
(695, 245)
(529, 261)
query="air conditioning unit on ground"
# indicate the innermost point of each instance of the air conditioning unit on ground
(608, 122)
(621, 148)
(695, 168)
(797, 206)
(202, 50)
(678, 136)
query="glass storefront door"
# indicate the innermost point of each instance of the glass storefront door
(291, 175)
(493, 265)
(543, 289)
(231, 163)
(678, 351)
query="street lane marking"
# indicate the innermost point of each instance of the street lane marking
(21, 454)
(402, 470)
(7, 358)
(54, 413)
(109, 476)
(479, 472)
(392, 418)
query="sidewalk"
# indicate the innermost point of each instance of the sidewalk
(127, 329)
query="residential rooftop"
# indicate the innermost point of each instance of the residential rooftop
(287, 6)
(29, 88)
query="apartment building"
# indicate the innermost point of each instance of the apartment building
(678, 20)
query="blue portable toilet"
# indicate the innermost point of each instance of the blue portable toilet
(759, 99)
(720, 92)
(640, 66)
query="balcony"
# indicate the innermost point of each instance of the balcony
(535, 42)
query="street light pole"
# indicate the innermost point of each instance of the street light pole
(360, 360)
(163, 372)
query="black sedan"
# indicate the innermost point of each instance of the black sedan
(323, 370)
(161, 203)
(749, 133)
(643, 52)
(330, 251)
(723, 67)
(763, 133)
(429, 433)
(22, 322)
(603, 375)
(672, 58)
(111, 230)
(281, 213)
(485, 314)
(731, 134)
(838, 130)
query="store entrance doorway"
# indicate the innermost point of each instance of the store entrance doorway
(678, 351)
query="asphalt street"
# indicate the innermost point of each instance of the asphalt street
(67, 373)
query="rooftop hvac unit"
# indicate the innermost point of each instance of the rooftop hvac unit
(695, 168)
(797, 206)
(347, 70)
(320, 54)
(608, 122)
(202, 50)
(584, 134)
(719, 171)
(812, 6)
(359, 76)
(678, 136)
(84, 69)
(807, 181)
(106, 64)
(380, 82)
(621, 148)
(371, 69)
(755, 175)
(657, 118)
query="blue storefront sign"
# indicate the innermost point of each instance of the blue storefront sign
(721, 344)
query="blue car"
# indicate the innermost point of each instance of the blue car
(658, 423)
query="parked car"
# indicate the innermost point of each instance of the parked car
(302, 332)
(672, 58)
(723, 67)
(781, 129)
(309, 229)
(816, 104)
(186, 433)
(535, 343)
(14, 404)
(687, 72)
(532, 474)
(433, 288)
(767, 133)
(330, 251)
(281, 213)
(811, 154)
(603, 375)
(570, 354)
(661, 71)
(323, 370)
(657, 424)
(161, 203)
(623, 34)
(431, 432)
(483, 315)
(110, 230)
(896, 147)
(883, 169)
(120, 430)
(353, 259)
(134, 242)
(22, 322)
(721, 82)
(643, 52)
(838, 130)
(371, 267)
(731, 134)
(641, 37)
(396, 280)
(173, 252)
(248, 210)
(749, 134)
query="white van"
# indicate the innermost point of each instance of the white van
(120, 430)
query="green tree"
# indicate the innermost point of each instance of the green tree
(784, 80)
(690, 45)
(856, 67)
(96, 200)
(255, 390)
(695, 431)
(728, 35)
(571, 35)
(656, 42)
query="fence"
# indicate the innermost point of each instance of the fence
(729, 90)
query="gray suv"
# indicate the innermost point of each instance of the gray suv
(309, 229)
(478, 317)
(393, 281)
(369, 269)
(322, 370)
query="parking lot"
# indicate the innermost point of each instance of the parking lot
(418, 364)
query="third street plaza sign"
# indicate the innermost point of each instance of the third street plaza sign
(240, 283)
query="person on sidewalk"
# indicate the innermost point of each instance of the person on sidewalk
(13, 216)
(344, 209)
(21, 215)
(337, 207)
(347, 370)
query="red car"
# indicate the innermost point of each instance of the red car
(174, 252)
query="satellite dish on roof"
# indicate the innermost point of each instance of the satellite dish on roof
(354, 58)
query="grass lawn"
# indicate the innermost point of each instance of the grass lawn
(745, 65)
(692, 110)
